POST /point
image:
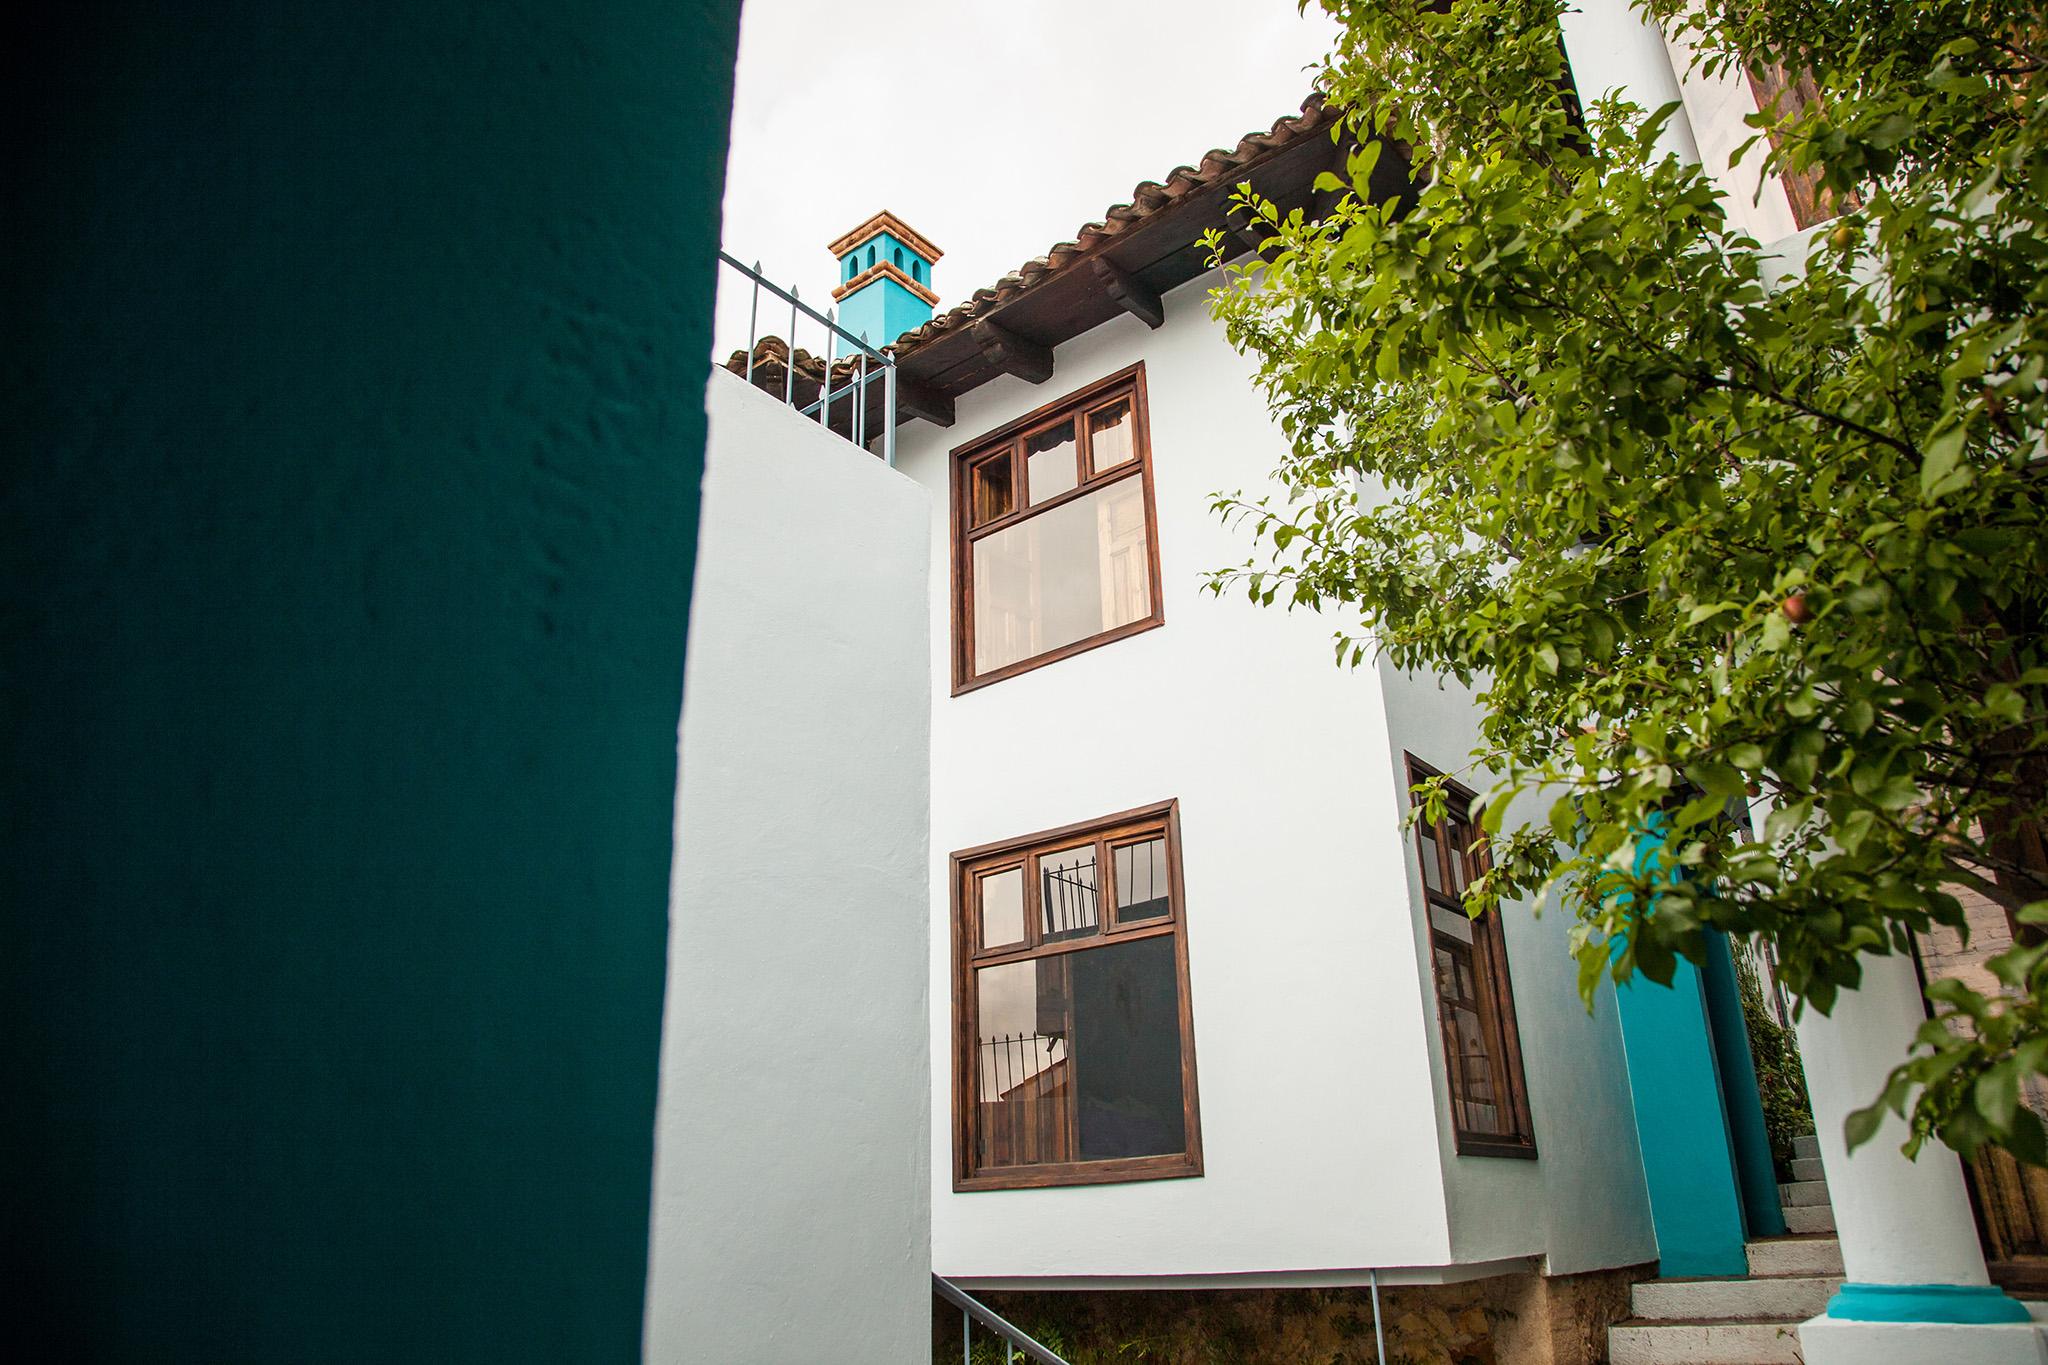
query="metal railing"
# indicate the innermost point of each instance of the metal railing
(1016, 1341)
(861, 358)
(1070, 900)
(1012, 1059)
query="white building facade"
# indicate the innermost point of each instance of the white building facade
(1192, 1006)
(1326, 1143)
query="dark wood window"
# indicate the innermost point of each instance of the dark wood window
(1475, 1003)
(1074, 1053)
(1786, 94)
(1055, 547)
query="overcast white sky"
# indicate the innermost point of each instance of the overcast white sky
(995, 129)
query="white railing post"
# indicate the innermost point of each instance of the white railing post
(889, 413)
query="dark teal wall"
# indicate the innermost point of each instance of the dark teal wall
(355, 357)
(1689, 1163)
(1763, 1211)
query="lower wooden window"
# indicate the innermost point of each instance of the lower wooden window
(1475, 1003)
(1073, 1043)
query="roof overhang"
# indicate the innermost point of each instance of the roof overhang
(1124, 264)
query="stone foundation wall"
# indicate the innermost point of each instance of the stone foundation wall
(1505, 1320)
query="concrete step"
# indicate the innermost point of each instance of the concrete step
(1796, 1256)
(1703, 1343)
(1808, 1146)
(1806, 1168)
(1810, 1218)
(1797, 1297)
(1807, 1194)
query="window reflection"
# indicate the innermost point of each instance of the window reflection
(1051, 466)
(1061, 576)
(1109, 436)
(1432, 860)
(1141, 891)
(991, 491)
(1002, 908)
(1078, 1057)
(1067, 893)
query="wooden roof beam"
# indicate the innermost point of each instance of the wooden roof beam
(1248, 236)
(915, 399)
(1008, 353)
(1132, 297)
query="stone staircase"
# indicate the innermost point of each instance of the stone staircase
(1753, 1320)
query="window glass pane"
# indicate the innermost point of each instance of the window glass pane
(1062, 576)
(1078, 1057)
(1109, 436)
(1002, 908)
(1051, 465)
(1067, 896)
(1452, 922)
(1141, 892)
(990, 491)
(1432, 865)
(1474, 1094)
(1478, 1070)
(1024, 1070)
(1459, 835)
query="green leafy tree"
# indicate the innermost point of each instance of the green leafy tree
(1705, 525)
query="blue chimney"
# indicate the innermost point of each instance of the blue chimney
(885, 280)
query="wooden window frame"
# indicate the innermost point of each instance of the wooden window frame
(1010, 438)
(1495, 984)
(1161, 819)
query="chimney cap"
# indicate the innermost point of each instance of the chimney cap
(888, 222)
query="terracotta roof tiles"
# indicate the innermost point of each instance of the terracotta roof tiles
(1147, 198)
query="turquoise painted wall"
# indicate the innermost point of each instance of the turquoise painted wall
(887, 247)
(1699, 1122)
(354, 433)
(1688, 1158)
(1763, 1211)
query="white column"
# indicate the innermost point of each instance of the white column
(1613, 50)
(1909, 1242)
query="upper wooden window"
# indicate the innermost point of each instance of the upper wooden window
(1055, 547)
(1073, 1058)
(1475, 1003)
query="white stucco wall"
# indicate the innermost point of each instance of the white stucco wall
(1615, 50)
(791, 1193)
(1716, 106)
(1582, 1203)
(1312, 1061)
(1315, 1035)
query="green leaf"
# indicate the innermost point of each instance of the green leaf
(1997, 1093)
(1862, 1125)
(2028, 1140)
(1555, 427)
(1717, 779)
(1940, 474)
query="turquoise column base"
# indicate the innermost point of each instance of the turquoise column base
(1972, 1303)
